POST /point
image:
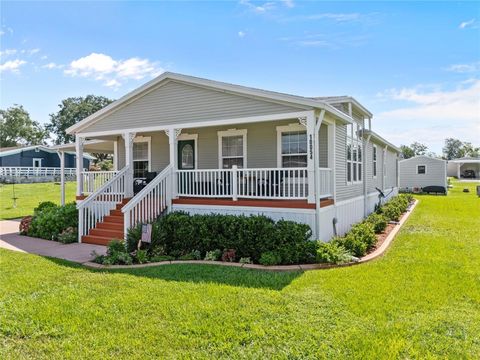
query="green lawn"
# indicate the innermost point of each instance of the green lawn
(29, 196)
(421, 300)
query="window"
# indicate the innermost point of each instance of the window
(232, 146)
(292, 146)
(354, 153)
(294, 149)
(421, 169)
(141, 157)
(37, 162)
(374, 162)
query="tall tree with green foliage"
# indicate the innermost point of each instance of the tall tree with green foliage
(414, 149)
(73, 110)
(17, 128)
(455, 149)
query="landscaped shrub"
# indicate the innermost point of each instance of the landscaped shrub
(178, 234)
(332, 252)
(117, 254)
(378, 221)
(391, 211)
(68, 236)
(359, 239)
(246, 260)
(228, 255)
(213, 255)
(270, 258)
(44, 205)
(50, 221)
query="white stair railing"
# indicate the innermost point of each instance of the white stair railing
(150, 202)
(96, 206)
(92, 180)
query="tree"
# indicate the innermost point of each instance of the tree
(73, 110)
(452, 147)
(407, 151)
(16, 128)
(468, 150)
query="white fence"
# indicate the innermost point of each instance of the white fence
(34, 171)
(263, 183)
(95, 207)
(92, 180)
(150, 202)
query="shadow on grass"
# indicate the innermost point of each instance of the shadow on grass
(202, 274)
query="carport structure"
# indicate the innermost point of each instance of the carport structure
(458, 167)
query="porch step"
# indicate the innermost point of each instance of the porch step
(116, 213)
(97, 240)
(110, 226)
(110, 233)
(113, 219)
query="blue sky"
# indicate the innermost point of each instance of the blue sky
(416, 65)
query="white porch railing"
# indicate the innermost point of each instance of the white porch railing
(264, 183)
(150, 202)
(34, 171)
(325, 180)
(96, 206)
(92, 180)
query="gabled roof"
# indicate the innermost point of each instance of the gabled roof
(422, 157)
(377, 137)
(18, 149)
(343, 99)
(242, 90)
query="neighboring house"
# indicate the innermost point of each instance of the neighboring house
(422, 171)
(223, 148)
(467, 167)
(36, 161)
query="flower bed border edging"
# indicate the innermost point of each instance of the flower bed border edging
(301, 267)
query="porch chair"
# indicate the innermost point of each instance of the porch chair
(139, 184)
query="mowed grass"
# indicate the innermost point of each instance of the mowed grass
(29, 196)
(420, 300)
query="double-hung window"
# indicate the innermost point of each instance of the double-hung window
(374, 161)
(354, 154)
(232, 146)
(141, 156)
(292, 146)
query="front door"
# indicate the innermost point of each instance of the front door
(186, 154)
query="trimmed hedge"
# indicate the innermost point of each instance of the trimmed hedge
(178, 234)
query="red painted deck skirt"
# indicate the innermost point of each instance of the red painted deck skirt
(289, 204)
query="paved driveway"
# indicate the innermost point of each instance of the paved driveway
(11, 240)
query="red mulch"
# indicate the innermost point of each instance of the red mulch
(382, 236)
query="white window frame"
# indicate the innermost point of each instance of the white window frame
(227, 133)
(425, 173)
(284, 129)
(194, 137)
(374, 161)
(147, 139)
(357, 143)
(37, 159)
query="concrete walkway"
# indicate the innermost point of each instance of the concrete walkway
(11, 240)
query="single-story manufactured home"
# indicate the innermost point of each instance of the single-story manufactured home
(203, 146)
(420, 172)
(37, 163)
(466, 167)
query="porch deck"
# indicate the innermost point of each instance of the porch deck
(288, 204)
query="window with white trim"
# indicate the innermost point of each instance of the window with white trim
(374, 161)
(141, 157)
(232, 146)
(292, 146)
(354, 154)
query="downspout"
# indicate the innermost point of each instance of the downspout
(365, 177)
(317, 172)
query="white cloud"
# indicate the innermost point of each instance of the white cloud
(8, 52)
(258, 9)
(465, 68)
(44, 57)
(241, 34)
(6, 30)
(288, 3)
(468, 24)
(52, 65)
(12, 65)
(112, 72)
(338, 17)
(431, 114)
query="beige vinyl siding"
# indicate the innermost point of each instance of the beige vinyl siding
(323, 146)
(344, 190)
(176, 102)
(435, 172)
(159, 151)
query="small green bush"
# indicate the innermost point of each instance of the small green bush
(213, 255)
(378, 221)
(359, 239)
(44, 205)
(270, 258)
(117, 254)
(50, 221)
(391, 211)
(68, 236)
(159, 258)
(245, 260)
(333, 253)
(141, 256)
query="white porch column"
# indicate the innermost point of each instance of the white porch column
(309, 122)
(128, 139)
(61, 155)
(115, 155)
(172, 142)
(79, 166)
(458, 170)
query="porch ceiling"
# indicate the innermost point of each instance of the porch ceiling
(91, 146)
